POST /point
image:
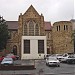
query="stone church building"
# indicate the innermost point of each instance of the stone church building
(31, 37)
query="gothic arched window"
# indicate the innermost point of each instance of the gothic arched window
(36, 29)
(25, 29)
(31, 28)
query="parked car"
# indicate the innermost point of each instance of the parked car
(1, 58)
(68, 58)
(71, 60)
(52, 61)
(74, 55)
(63, 57)
(57, 55)
(7, 61)
(14, 57)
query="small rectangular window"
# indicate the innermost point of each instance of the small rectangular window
(57, 28)
(64, 27)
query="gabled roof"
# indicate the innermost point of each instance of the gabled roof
(30, 9)
(12, 24)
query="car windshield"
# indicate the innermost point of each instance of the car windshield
(59, 55)
(7, 59)
(51, 58)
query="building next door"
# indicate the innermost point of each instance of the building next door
(15, 50)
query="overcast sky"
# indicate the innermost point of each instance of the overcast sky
(53, 10)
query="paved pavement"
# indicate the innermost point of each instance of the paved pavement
(24, 62)
(42, 69)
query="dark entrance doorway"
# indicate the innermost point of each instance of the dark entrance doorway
(15, 50)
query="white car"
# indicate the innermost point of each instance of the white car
(52, 61)
(70, 60)
(65, 58)
(7, 61)
(74, 55)
(57, 55)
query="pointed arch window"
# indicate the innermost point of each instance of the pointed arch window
(37, 29)
(31, 28)
(25, 29)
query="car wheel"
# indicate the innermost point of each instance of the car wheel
(58, 65)
(73, 62)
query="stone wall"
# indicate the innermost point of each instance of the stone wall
(62, 37)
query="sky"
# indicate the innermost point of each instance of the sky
(52, 10)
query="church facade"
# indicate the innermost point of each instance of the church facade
(31, 37)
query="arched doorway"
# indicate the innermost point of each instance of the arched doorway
(15, 50)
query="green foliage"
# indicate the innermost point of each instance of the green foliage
(3, 33)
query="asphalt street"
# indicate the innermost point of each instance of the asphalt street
(42, 69)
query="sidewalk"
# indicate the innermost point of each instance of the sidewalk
(24, 72)
(24, 62)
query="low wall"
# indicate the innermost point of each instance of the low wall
(17, 67)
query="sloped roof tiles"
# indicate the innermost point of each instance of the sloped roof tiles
(14, 25)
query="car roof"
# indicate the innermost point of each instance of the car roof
(52, 57)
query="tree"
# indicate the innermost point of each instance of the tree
(3, 33)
